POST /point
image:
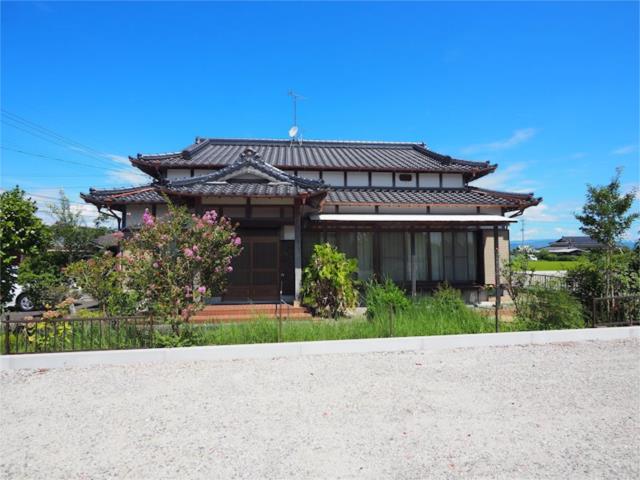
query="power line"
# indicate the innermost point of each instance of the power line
(57, 159)
(56, 137)
(47, 197)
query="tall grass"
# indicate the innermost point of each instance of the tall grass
(425, 316)
(439, 315)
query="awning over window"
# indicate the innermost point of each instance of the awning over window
(425, 218)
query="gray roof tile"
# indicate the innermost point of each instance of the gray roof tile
(416, 196)
(315, 154)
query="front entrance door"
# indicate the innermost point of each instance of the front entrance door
(255, 271)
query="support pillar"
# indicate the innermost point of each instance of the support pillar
(496, 257)
(297, 252)
(414, 263)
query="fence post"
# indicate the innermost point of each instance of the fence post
(593, 314)
(7, 332)
(391, 318)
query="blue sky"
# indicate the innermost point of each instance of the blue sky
(547, 90)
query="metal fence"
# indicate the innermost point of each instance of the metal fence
(39, 335)
(615, 311)
(551, 281)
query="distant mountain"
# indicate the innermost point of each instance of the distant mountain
(542, 242)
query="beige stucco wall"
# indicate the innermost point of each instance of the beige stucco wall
(488, 245)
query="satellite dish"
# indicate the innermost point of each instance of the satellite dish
(293, 131)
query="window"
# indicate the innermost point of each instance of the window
(405, 177)
(309, 240)
(365, 255)
(437, 272)
(392, 255)
(421, 257)
(459, 256)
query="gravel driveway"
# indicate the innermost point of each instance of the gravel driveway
(553, 411)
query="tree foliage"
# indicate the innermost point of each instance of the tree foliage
(605, 217)
(328, 284)
(71, 237)
(22, 233)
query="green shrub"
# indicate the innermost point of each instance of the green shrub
(328, 284)
(448, 298)
(381, 298)
(588, 279)
(186, 337)
(100, 277)
(548, 309)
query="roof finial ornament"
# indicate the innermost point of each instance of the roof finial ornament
(250, 154)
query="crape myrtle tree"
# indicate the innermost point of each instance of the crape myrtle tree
(175, 261)
(21, 233)
(606, 218)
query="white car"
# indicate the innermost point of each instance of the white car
(21, 300)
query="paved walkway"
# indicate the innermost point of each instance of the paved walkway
(553, 411)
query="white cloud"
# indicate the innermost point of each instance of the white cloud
(128, 176)
(518, 137)
(577, 155)
(118, 158)
(625, 150)
(508, 178)
(567, 231)
(45, 197)
(540, 213)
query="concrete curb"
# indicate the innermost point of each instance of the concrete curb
(271, 350)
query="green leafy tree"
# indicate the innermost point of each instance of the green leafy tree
(328, 284)
(103, 279)
(22, 233)
(71, 237)
(605, 217)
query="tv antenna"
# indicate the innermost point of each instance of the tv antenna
(294, 130)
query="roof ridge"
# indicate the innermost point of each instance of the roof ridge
(310, 140)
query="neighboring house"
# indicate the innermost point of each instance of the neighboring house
(404, 211)
(572, 245)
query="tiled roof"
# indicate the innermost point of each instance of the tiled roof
(142, 194)
(413, 196)
(237, 189)
(315, 154)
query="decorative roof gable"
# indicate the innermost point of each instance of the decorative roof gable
(249, 164)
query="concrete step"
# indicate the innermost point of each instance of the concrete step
(239, 311)
(245, 318)
(248, 312)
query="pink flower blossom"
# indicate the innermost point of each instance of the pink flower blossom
(156, 265)
(202, 289)
(210, 217)
(194, 248)
(229, 269)
(237, 241)
(147, 218)
(188, 252)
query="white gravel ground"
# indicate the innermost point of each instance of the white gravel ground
(553, 411)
